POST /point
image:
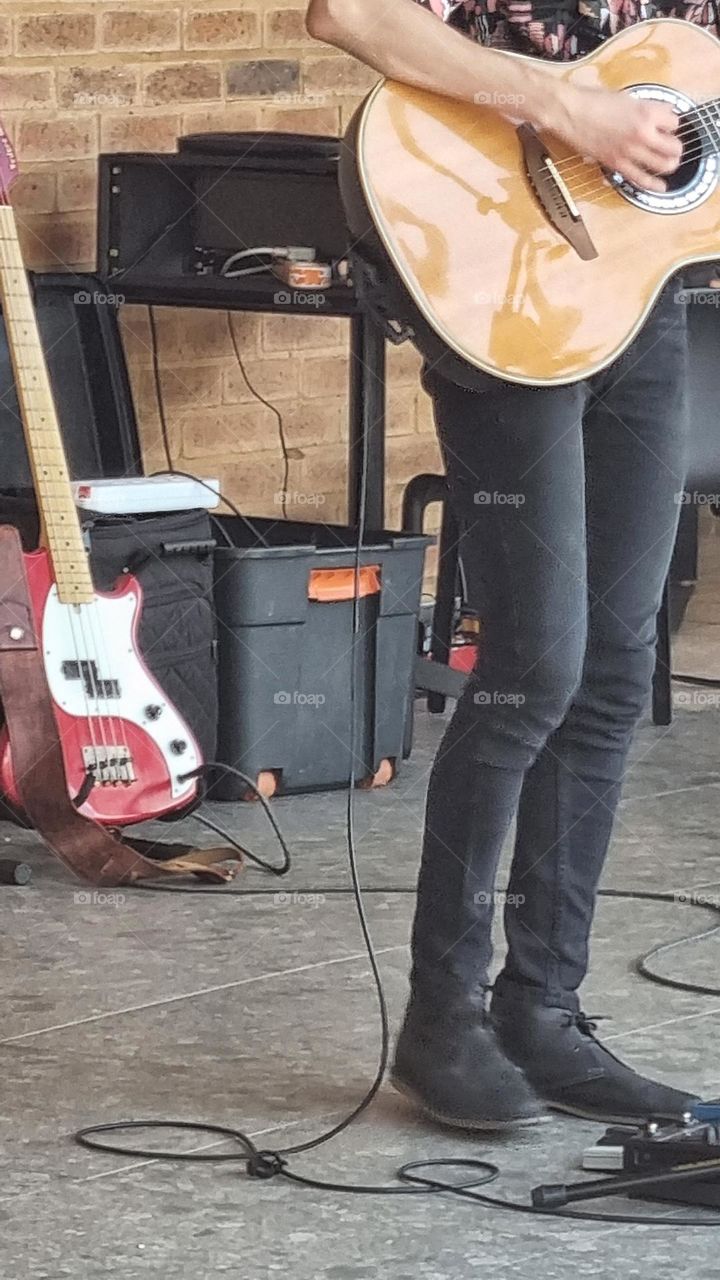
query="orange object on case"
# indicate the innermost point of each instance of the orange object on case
(340, 584)
(305, 275)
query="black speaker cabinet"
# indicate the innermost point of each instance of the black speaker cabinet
(168, 222)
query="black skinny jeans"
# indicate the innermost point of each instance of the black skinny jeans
(569, 499)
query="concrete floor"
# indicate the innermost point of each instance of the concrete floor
(261, 1014)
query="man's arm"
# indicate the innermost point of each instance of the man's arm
(408, 43)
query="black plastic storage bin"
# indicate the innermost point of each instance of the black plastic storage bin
(285, 623)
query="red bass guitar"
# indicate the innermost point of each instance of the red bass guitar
(127, 751)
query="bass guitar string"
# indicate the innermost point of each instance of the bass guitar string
(95, 663)
(85, 653)
(72, 618)
(89, 663)
(90, 650)
(111, 725)
(116, 722)
(100, 650)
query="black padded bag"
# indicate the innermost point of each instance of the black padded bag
(171, 557)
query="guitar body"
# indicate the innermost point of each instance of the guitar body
(446, 188)
(112, 717)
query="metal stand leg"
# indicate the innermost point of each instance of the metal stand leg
(367, 420)
(444, 614)
(419, 494)
(684, 566)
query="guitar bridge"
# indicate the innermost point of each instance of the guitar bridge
(109, 765)
(553, 194)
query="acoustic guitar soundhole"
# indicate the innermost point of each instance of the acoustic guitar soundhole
(696, 178)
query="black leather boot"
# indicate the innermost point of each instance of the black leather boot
(572, 1071)
(450, 1064)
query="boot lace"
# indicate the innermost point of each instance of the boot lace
(588, 1023)
(587, 1026)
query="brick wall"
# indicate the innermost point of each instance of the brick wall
(76, 78)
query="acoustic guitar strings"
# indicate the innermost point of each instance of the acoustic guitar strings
(686, 131)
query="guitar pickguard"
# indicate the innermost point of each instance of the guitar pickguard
(95, 674)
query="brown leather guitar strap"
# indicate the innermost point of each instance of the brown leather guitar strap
(87, 849)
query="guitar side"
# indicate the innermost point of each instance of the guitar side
(445, 185)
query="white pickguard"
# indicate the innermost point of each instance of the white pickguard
(102, 633)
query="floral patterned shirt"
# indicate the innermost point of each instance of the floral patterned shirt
(562, 29)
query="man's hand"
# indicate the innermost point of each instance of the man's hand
(637, 139)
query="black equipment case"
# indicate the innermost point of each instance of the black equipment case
(170, 554)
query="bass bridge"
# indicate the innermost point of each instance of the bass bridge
(109, 765)
(553, 194)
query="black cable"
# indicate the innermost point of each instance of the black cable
(273, 409)
(334, 891)
(212, 826)
(190, 475)
(84, 792)
(642, 964)
(247, 853)
(172, 470)
(268, 1164)
(706, 681)
(374, 1089)
(155, 352)
(275, 1161)
(265, 1164)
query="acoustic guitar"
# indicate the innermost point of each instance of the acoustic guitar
(126, 750)
(524, 260)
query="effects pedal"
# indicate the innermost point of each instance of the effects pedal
(677, 1161)
(660, 1148)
